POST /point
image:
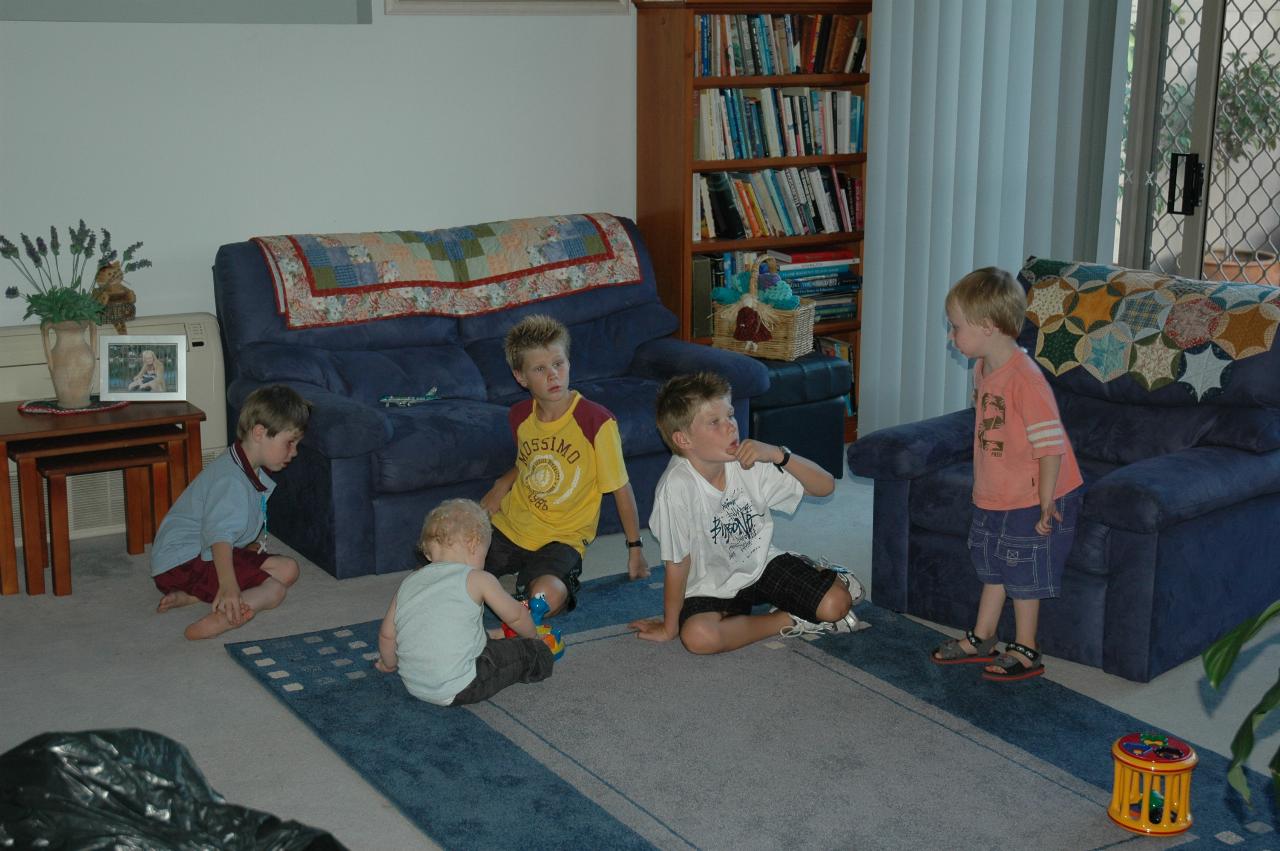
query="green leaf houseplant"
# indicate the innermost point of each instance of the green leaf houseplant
(1218, 660)
(66, 307)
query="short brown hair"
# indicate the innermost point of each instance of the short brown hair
(682, 396)
(991, 293)
(456, 521)
(534, 332)
(275, 407)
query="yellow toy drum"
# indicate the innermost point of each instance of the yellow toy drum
(1152, 790)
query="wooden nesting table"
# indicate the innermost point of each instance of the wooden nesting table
(26, 438)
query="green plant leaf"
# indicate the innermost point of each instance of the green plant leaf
(1242, 744)
(1222, 654)
(1275, 775)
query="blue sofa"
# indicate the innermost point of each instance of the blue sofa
(365, 476)
(1170, 392)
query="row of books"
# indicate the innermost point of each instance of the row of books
(775, 202)
(829, 277)
(837, 348)
(746, 45)
(795, 121)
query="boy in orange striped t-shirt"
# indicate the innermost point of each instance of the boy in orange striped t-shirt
(1026, 482)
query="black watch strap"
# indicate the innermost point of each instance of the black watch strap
(634, 544)
(786, 456)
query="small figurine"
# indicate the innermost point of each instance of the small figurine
(550, 635)
(119, 303)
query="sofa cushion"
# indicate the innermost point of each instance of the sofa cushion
(631, 401)
(1250, 429)
(409, 371)
(1123, 433)
(599, 348)
(443, 442)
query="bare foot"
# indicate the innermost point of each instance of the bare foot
(216, 623)
(174, 599)
(496, 633)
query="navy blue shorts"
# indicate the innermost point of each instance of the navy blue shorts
(1007, 550)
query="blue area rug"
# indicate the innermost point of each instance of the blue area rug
(467, 785)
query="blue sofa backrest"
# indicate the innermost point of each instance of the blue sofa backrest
(462, 358)
(1144, 364)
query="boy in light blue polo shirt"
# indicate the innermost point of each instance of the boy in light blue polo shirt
(211, 545)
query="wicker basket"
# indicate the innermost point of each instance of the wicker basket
(791, 330)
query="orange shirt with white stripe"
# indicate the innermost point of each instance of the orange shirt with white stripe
(1017, 424)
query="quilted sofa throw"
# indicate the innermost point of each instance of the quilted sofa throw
(347, 278)
(1156, 328)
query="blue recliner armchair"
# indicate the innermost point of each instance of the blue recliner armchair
(1170, 392)
(365, 476)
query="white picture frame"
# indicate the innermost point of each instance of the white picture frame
(123, 362)
(506, 7)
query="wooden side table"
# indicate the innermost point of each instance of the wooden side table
(151, 488)
(28, 437)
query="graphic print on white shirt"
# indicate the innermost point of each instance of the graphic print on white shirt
(737, 526)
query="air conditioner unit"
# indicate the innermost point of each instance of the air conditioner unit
(95, 502)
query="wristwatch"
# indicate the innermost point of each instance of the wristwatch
(786, 456)
(634, 544)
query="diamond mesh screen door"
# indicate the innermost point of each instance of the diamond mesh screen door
(1202, 166)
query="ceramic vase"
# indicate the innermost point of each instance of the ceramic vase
(71, 355)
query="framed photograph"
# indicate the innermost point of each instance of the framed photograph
(142, 368)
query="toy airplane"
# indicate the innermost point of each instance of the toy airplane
(408, 401)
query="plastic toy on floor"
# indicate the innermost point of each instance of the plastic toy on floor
(550, 635)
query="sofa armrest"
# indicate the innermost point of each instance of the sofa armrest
(913, 450)
(666, 357)
(1151, 494)
(339, 428)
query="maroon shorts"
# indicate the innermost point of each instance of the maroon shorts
(199, 578)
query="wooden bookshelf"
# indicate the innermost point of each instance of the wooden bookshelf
(668, 123)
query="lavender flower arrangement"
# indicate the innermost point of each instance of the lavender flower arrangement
(59, 299)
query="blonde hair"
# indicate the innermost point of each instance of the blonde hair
(275, 407)
(454, 522)
(680, 399)
(534, 332)
(991, 293)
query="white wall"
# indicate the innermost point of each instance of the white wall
(190, 136)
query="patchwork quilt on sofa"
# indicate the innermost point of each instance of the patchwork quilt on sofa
(349, 278)
(1158, 329)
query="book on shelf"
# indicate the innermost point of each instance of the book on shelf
(858, 53)
(700, 296)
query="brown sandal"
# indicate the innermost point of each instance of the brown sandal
(950, 652)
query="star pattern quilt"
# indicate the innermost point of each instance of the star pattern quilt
(1156, 328)
(347, 278)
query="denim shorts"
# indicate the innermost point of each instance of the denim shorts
(1007, 550)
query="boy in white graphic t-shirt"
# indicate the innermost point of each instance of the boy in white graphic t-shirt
(712, 516)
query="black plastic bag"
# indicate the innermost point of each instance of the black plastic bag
(129, 788)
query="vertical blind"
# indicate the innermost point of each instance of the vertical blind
(991, 126)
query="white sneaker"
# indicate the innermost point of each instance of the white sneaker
(856, 591)
(799, 627)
